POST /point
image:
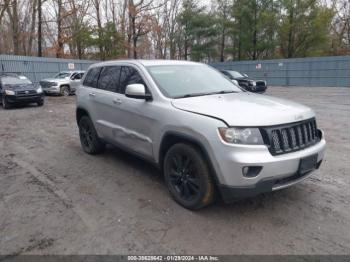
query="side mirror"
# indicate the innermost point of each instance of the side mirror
(137, 91)
(245, 75)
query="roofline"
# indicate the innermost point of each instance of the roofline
(143, 62)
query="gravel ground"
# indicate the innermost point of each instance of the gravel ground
(55, 199)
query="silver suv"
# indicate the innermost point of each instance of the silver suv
(64, 83)
(207, 136)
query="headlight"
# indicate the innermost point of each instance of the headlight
(238, 135)
(9, 92)
(39, 90)
(235, 82)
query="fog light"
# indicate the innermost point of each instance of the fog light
(251, 171)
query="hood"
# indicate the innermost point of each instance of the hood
(242, 78)
(55, 79)
(245, 109)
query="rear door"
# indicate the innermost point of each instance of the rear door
(105, 98)
(87, 94)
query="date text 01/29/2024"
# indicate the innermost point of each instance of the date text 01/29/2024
(173, 258)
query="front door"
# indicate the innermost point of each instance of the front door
(134, 116)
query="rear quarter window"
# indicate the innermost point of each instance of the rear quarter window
(92, 77)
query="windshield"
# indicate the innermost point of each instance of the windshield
(62, 75)
(9, 80)
(235, 74)
(177, 81)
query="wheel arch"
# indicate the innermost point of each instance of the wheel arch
(80, 112)
(171, 138)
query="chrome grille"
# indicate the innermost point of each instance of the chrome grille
(46, 84)
(291, 137)
(26, 92)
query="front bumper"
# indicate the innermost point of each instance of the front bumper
(257, 89)
(276, 172)
(52, 90)
(32, 98)
(230, 194)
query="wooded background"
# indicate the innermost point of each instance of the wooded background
(208, 31)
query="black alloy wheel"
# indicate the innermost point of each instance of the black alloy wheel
(187, 176)
(65, 91)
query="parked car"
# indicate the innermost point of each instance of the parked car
(64, 83)
(256, 86)
(18, 89)
(205, 133)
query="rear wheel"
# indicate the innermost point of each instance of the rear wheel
(187, 176)
(65, 90)
(89, 139)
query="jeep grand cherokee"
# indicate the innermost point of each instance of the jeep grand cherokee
(206, 134)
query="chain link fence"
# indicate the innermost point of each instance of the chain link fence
(37, 68)
(313, 71)
(331, 71)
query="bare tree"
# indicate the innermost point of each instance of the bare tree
(140, 20)
(40, 22)
(4, 4)
(13, 15)
(97, 6)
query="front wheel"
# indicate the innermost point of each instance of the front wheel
(65, 91)
(40, 103)
(5, 104)
(89, 139)
(187, 176)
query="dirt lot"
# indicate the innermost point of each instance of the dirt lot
(55, 199)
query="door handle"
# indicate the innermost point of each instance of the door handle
(92, 94)
(117, 101)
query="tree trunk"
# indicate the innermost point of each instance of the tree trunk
(222, 44)
(255, 40)
(240, 40)
(186, 47)
(99, 27)
(134, 47)
(40, 53)
(15, 31)
(59, 51)
(32, 29)
(290, 51)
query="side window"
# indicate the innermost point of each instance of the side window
(109, 78)
(129, 75)
(78, 76)
(92, 77)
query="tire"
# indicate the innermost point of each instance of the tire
(40, 103)
(188, 177)
(65, 91)
(90, 142)
(5, 104)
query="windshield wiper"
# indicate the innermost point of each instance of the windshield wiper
(192, 95)
(206, 94)
(223, 92)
